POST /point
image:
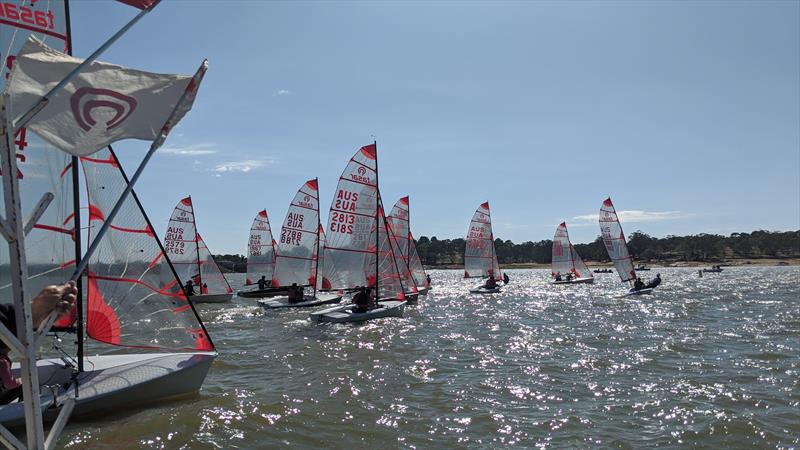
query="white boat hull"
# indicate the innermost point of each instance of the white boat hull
(113, 383)
(575, 281)
(645, 291)
(308, 301)
(211, 298)
(483, 290)
(345, 313)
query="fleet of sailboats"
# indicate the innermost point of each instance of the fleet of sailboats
(140, 293)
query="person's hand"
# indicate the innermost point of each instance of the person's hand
(60, 298)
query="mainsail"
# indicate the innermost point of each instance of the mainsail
(391, 276)
(299, 239)
(565, 258)
(350, 250)
(260, 250)
(190, 255)
(399, 219)
(614, 239)
(50, 247)
(480, 258)
(359, 251)
(134, 298)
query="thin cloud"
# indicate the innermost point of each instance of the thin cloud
(245, 166)
(189, 150)
(637, 216)
(280, 92)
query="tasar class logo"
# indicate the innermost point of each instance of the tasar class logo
(93, 107)
(362, 171)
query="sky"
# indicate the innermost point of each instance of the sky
(686, 113)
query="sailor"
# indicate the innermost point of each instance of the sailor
(59, 298)
(638, 284)
(491, 283)
(569, 276)
(189, 287)
(700, 272)
(361, 300)
(295, 293)
(428, 279)
(505, 278)
(262, 283)
(558, 276)
(654, 282)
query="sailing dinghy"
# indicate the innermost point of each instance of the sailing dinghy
(359, 250)
(297, 260)
(191, 257)
(260, 258)
(480, 258)
(566, 263)
(400, 220)
(614, 240)
(134, 302)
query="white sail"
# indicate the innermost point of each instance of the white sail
(614, 240)
(190, 255)
(351, 245)
(298, 241)
(565, 259)
(260, 250)
(480, 258)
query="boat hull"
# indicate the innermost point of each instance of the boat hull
(114, 383)
(575, 281)
(308, 301)
(345, 313)
(211, 298)
(712, 270)
(483, 290)
(264, 293)
(423, 291)
(644, 291)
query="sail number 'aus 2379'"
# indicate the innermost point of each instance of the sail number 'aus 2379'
(173, 241)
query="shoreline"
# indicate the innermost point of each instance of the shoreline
(654, 264)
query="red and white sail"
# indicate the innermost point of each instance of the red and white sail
(260, 250)
(350, 250)
(134, 298)
(297, 245)
(211, 280)
(399, 219)
(318, 277)
(480, 258)
(359, 249)
(565, 259)
(190, 255)
(614, 240)
(50, 245)
(392, 277)
(415, 264)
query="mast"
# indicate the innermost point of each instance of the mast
(319, 227)
(491, 237)
(377, 230)
(76, 205)
(197, 248)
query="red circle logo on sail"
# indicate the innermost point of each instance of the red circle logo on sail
(362, 171)
(93, 106)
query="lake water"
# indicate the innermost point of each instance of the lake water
(710, 362)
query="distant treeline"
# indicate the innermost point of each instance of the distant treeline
(699, 247)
